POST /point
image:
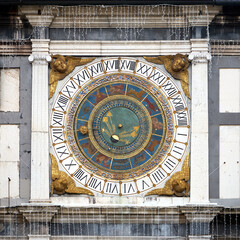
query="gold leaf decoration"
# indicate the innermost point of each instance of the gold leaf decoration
(177, 185)
(62, 183)
(61, 66)
(175, 65)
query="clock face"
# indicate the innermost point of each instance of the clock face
(115, 130)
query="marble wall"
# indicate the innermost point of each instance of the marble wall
(9, 134)
(9, 89)
(229, 90)
(9, 161)
(229, 162)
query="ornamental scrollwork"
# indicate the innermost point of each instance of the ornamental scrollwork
(61, 66)
(177, 66)
(177, 185)
(62, 183)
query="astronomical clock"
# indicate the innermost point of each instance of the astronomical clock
(119, 126)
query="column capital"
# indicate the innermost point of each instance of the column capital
(199, 51)
(39, 20)
(39, 213)
(40, 51)
(41, 59)
(39, 218)
(199, 57)
(203, 214)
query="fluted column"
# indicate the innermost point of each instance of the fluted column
(39, 141)
(199, 190)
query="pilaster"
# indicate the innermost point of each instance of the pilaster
(39, 141)
(199, 189)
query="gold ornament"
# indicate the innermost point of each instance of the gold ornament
(83, 130)
(61, 66)
(62, 183)
(177, 184)
(175, 65)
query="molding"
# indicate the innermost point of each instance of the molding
(198, 237)
(118, 237)
(19, 238)
(7, 214)
(14, 47)
(119, 48)
(225, 47)
(39, 237)
(121, 214)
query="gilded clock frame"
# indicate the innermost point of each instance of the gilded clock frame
(127, 71)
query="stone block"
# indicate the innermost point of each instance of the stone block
(9, 90)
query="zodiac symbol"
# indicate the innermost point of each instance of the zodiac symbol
(138, 95)
(152, 106)
(153, 144)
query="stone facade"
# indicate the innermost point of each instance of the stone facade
(207, 34)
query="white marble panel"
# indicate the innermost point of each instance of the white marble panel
(9, 160)
(9, 143)
(9, 90)
(229, 90)
(229, 174)
(9, 170)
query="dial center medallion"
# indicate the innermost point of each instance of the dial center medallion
(126, 133)
(119, 126)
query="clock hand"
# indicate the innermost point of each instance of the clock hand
(111, 123)
(131, 133)
(122, 140)
(106, 131)
(105, 120)
(109, 115)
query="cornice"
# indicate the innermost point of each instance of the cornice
(140, 16)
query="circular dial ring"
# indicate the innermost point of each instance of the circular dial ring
(114, 151)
